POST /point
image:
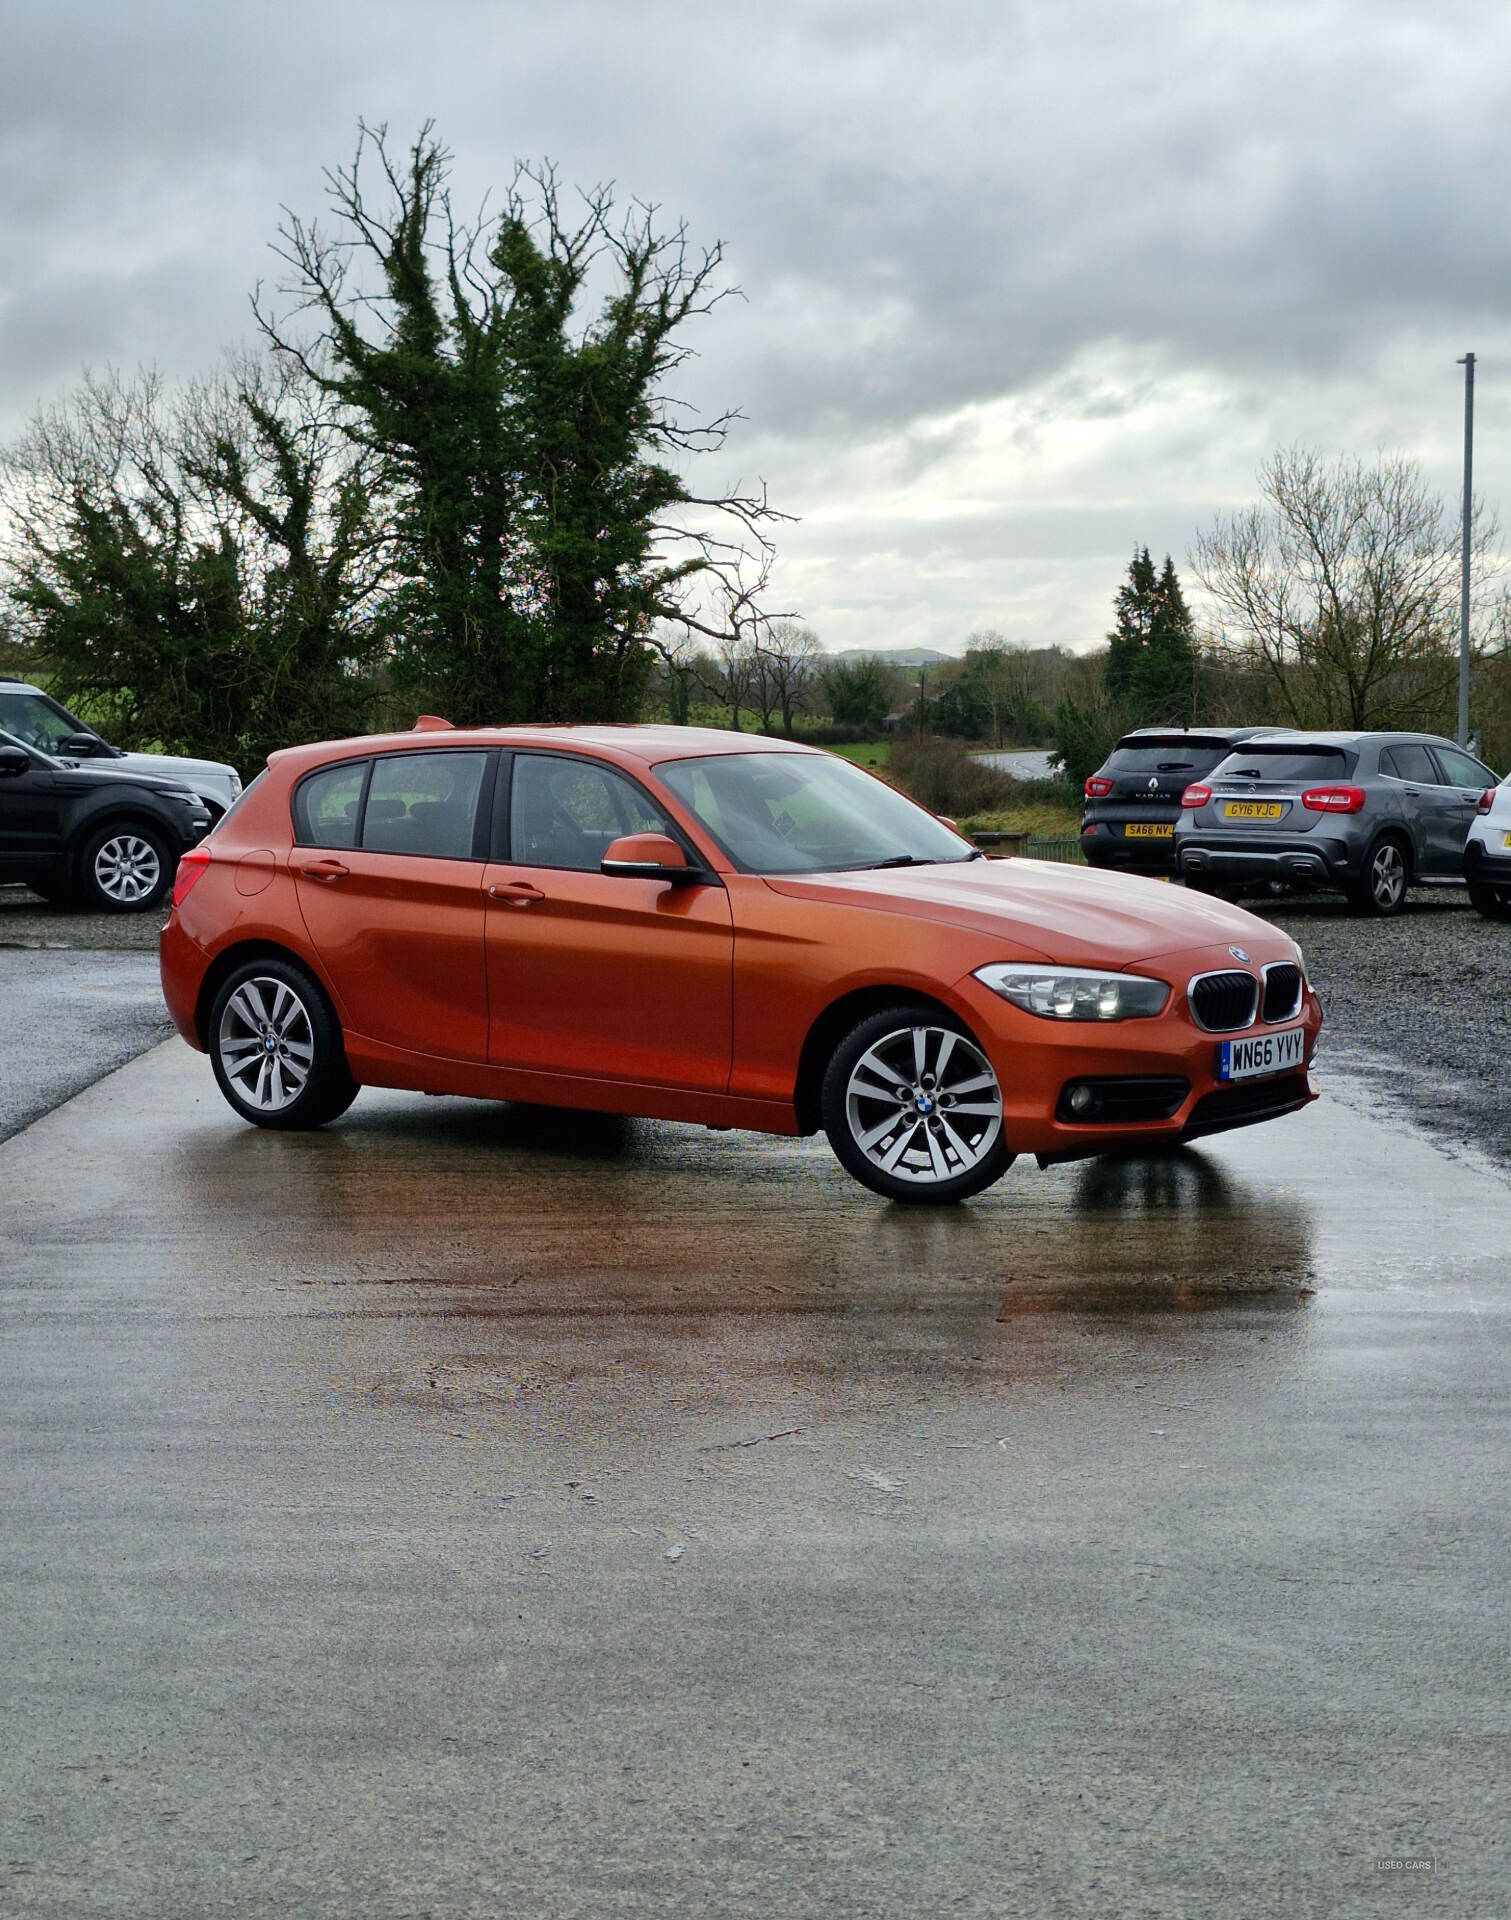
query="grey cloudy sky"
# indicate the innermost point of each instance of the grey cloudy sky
(1026, 284)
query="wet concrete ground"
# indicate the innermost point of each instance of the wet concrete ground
(472, 1511)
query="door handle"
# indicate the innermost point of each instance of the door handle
(515, 893)
(326, 870)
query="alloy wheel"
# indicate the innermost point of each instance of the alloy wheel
(266, 1043)
(1387, 876)
(127, 868)
(923, 1105)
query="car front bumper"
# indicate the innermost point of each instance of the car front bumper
(1167, 1067)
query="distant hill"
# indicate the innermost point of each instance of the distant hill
(897, 656)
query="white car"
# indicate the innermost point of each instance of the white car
(35, 717)
(1487, 853)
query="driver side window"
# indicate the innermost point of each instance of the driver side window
(564, 812)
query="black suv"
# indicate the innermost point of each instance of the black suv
(1133, 799)
(104, 839)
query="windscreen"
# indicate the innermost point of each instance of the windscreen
(1180, 754)
(806, 813)
(38, 721)
(1286, 763)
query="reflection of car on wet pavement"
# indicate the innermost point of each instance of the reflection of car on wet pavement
(1370, 814)
(693, 925)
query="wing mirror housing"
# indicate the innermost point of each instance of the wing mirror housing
(83, 746)
(13, 760)
(648, 856)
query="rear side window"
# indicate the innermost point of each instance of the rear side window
(1287, 763)
(1167, 756)
(1408, 762)
(423, 803)
(564, 813)
(1461, 771)
(327, 806)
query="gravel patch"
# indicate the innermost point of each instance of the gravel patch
(1419, 1007)
(26, 920)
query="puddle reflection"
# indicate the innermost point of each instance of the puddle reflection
(477, 1209)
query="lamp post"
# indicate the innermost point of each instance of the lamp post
(1467, 363)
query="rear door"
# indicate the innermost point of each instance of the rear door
(1410, 775)
(389, 869)
(607, 976)
(1463, 779)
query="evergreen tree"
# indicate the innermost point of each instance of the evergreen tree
(541, 525)
(1151, 652)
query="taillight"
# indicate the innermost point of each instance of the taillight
(1487, 800)
(191, 865)
(1334, 800)
(1097, 788)
(1196, 795)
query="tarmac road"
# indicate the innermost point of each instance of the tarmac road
(469, 1511)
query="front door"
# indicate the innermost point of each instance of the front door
(389, 871)
(601, 975)
(31, 817)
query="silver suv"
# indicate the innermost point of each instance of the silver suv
(29, 714)
(1367, 813)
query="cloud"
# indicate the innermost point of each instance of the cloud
(1025, 283)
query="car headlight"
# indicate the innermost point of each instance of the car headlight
(235, 785)
(1076, 993)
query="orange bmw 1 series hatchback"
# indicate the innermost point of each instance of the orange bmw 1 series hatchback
(702, 926)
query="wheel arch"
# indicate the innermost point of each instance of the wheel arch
(830, 1028)
(225, 964)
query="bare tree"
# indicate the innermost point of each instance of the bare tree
(788, 669)
(1342, 584)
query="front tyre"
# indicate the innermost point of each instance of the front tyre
(912, 1108)
(124, 869)
(276, 1048)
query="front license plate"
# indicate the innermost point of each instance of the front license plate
(1266, 1053)
(1253, 809)
(1147, 830)
(1506, 839)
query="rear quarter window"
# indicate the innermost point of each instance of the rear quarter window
(328, 805)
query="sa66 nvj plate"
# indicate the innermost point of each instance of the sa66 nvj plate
(1280, 1052)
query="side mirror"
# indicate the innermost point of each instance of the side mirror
(647, 856)
(83, 746)
(14, 760)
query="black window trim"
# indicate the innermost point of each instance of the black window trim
(698, 867)
(480, 819)
(297, 810)
(1459, 786)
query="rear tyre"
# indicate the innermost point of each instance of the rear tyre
(125, 868)
(912, 1108)
(1380, 889)
(1493, 902)
(275, 1045)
